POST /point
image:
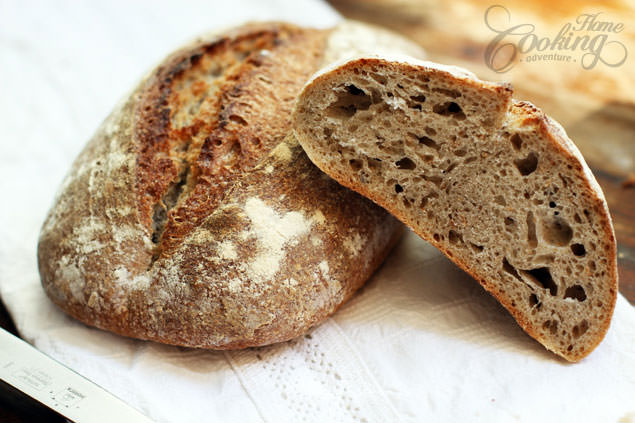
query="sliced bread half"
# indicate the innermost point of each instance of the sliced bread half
(493, 183)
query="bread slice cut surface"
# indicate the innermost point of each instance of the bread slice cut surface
(493, 183)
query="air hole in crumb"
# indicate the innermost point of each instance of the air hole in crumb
(565, 180)
(576, 292)
(436, 237)
(405, 164)
(556, 231)
(527, 165)
(460, 153)
(534, 301)
(510, 224)
(328, 132)
(580, 329)
(510, 269)
(552, 204)
(237, 119)
(552, 325)
(373, 164)
(570, 348)
(355, 164)
(429, 142)
(577, 219)
(420, 98)
(406, 202)
(476, 248)
(578, 250)
(348, 103)
(455, 237)
(449, 109)
(449, 168)
(398, 188)
(516, 141)
(542, 276)
(430, 131)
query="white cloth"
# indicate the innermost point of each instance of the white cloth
(422, 341)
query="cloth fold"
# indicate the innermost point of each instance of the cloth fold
(421, 341)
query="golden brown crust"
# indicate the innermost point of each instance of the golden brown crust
(181, 223)
(525, 113)
(243, 119)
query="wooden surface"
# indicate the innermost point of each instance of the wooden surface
(595, 106)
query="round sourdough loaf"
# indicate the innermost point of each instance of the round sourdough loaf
(194, 218)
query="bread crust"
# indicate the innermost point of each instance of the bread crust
(524, 113)
(519, 114)
(158, 232)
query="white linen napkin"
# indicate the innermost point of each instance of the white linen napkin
(422, 341)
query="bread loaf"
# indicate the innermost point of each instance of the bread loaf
(193, 218)
(493, 183)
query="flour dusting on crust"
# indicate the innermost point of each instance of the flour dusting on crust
(273, 233)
